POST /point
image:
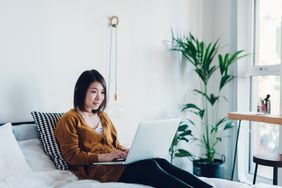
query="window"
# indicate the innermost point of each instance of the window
(261, 35)
(264, 138)
(267, 32)
(265, 77)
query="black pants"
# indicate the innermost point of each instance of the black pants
(160, 173)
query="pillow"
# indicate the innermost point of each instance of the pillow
(12, 159)
(25, 131)
(35, 157)
(46, 123)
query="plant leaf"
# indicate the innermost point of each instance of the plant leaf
(183, 153)
(174, 141)
(225, 79)
(228, 125)
(200, 92)
(214, 129)
(222, 120)
(185, 133)
(212, 99)
(182, 127)
(185, 139)
(219, 139)
(194, 109)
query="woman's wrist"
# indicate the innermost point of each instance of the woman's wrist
(101, 157)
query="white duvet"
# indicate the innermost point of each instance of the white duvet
(43, 174)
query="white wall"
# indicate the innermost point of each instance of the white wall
(45, 45)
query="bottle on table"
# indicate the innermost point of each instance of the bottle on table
(267, 104)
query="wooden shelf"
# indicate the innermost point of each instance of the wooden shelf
(256, 116)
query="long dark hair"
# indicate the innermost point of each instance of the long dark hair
(82, 85)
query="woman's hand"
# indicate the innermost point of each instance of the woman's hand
(115, 155)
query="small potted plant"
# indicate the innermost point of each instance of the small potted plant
(205, 117)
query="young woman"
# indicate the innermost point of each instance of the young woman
(87, 135)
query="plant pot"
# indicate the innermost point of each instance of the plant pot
(212, 170)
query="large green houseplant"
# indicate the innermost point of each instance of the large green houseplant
(207, 62)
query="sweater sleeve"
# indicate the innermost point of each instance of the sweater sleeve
(67, 137)
(119, 146)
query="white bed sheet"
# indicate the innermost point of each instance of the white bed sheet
(222, 183)
(46, 175)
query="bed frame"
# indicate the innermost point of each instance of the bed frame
(20, 123)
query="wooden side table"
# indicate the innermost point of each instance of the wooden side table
(251, 116)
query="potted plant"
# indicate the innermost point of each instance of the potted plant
(212, 127)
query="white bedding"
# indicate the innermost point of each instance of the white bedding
(43, 174)
(222, 183)
(46, 175)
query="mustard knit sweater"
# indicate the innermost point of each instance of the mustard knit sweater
(80, 146)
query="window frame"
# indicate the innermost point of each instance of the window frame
(247, 39)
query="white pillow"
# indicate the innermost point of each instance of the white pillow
(12, 159)
(35, 156)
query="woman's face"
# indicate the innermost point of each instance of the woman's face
(94, 96)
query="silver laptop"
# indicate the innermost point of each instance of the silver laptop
(152, 139)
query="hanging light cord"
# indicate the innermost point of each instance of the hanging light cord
(110, 64)
(115, 97)
(113, 23)
(115, 109)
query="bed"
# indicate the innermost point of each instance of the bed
(25, 164)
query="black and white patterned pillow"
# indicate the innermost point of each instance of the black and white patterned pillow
(46, 123)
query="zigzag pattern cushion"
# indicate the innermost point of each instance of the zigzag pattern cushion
(46, 123)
